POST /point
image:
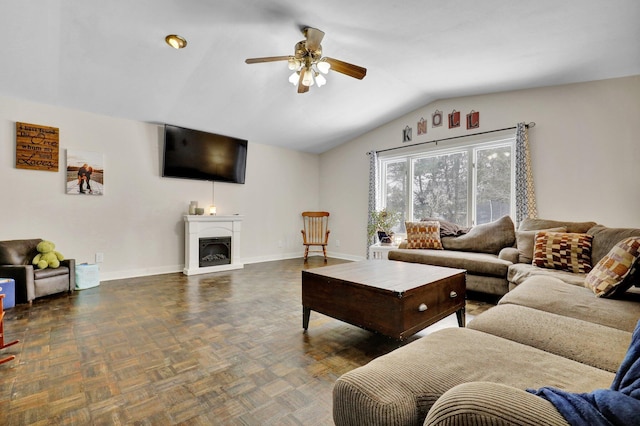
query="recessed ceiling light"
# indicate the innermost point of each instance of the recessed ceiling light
(175, 41)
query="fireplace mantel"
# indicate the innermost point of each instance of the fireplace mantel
(207, 226)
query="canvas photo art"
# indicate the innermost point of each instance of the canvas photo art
(85, 173)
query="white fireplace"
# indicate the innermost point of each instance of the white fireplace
(198, 227)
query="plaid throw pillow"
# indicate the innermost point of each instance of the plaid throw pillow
(423, 235)
(612, 274)
(564, 251)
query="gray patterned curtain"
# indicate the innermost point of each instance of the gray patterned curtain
(373, 192)
(525, 193)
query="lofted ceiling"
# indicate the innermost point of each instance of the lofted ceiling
(109, 57)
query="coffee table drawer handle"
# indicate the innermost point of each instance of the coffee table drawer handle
(422, 307)
(453, 294)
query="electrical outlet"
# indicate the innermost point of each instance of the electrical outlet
(99, 257)
(337, 243)
(279, 243)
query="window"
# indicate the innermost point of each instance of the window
(465, 184)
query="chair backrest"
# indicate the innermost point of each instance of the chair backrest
(18, 252)
(316, 227)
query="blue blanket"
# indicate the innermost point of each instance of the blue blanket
(619, 405)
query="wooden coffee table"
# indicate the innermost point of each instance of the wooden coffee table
(393, 298)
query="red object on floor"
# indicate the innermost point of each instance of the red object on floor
(2, 344)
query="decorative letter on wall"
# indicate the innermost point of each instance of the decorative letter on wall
(406, 134)
(436, 119)
(37, 147)
(422, 126)
(473, 120)
(454, 119)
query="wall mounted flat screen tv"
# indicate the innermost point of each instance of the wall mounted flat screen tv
(193, 154)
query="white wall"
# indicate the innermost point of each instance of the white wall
(138, 224)
(585, 156)
(585, 153)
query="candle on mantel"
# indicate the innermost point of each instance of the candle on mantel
(212, 210)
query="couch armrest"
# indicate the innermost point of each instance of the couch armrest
(71, 264)
(510, 254)
(483, 403)
(23, 276)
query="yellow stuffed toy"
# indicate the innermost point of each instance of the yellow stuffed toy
(47, 256)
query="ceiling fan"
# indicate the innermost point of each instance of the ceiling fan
(308, 64)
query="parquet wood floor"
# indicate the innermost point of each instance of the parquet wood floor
(225, 348)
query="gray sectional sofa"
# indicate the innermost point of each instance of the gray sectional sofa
(486, 252)
(548, 330)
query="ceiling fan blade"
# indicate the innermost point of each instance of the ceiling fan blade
(314, 38)
(347, 68)
(267, 59)
(301, 87)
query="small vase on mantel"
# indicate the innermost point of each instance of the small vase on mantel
(192, 207)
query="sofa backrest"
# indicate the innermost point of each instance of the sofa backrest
(18, 252)
(604, 238)
(538, 224)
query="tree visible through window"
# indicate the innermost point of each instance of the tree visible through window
(395, 173)
(440, 187)
(467, 185)
(493, 183)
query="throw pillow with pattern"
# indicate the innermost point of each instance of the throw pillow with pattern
(423, 235)
(612, 274)
(564, 251)
(525, 241)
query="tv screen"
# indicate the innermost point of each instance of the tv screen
(193, 154)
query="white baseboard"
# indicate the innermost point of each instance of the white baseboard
(132, 273)
(344, 256)
(143, 272)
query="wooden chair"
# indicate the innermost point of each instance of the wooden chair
(315, 232)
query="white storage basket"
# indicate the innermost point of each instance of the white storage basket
(87, 276)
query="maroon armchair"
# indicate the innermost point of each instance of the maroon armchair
(31, 282)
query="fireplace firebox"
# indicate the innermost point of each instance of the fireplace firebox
(211, 226)
(214, 251)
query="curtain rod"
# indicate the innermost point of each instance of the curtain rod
(531, 124)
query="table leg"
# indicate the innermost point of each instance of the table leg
(306, 312)
(460, 314)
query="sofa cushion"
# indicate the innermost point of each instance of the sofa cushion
(538, 224)
(563, 250)
(598, 346)
(519, 272)
(423, 235)
(40, 274)
(486, 403)
(473, 263)
(448, 229)
(609, 275)
(486, 238)
(510, 254)
(401, 386)
(552, 295)
(525, 240)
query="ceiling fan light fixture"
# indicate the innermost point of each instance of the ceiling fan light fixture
(308, 64)
(323, 66)
(307, 79)
(320, 80)
(175, 41)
